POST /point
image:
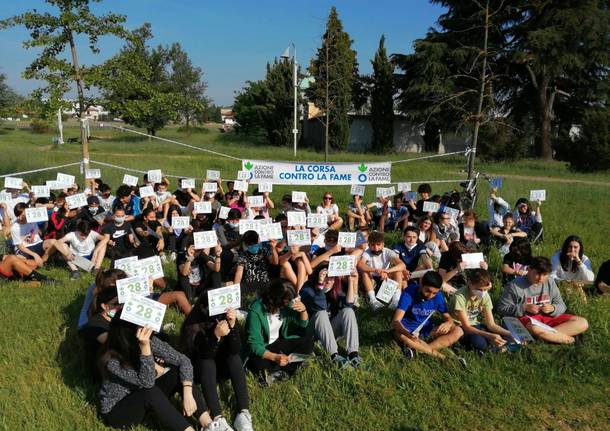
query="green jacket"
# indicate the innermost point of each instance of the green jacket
(257, 326)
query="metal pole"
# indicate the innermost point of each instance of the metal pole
(60, 127)
(295, 129)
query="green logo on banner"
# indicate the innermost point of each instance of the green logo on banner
(362, 167)
(248, 165)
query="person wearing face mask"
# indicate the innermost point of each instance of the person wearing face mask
(95, 332)
(130, 202)
(329, 302)
(471, 308)
(85, 243)
(536, 301)
(94, 214)
(230, 240)
(198, 270)
(119, 236)
(253, 263)
(378, 264)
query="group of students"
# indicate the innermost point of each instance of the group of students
(291, 299)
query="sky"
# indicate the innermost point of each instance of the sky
(233, 41)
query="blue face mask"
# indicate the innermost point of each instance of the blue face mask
(254, 248)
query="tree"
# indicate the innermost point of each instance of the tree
(136, 83)
(9, 99)
(187, 81)
(266, 107)
(382, 101)
(335, 71)
(54, 34)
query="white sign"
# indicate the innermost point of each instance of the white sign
(314, 173)
(317, 220)
(271, 231)
(541, 325)
(202, 207)
(5, 197)
(240, 186)
(137, 285)
(243, 175)
(223, 298)
(347, 239)
(210, 187)
(454, 213)
(13, 183)
(180, 222)
(357, 189)
(205, 239)
(386, 290)
(299, 197)
(472, 260)
(76, 201)
(146, 191)
(127, 264)
(36, 215)
(154, 176)
(537, 195)
(341, 265)
(431, 207)
(143, 312)
(130, 180)
(385, 192)
(92, 174)
(150, 267)
(67, 180)
(422, 324)
(188, 183)
(403, 187)
(519, 332)
(224, 213)
(41, 191)
(256, 201)
(246, 225)
(296, 218)
(298, 237)
(54, 185)
(212, 175)
(82, 262)
(265, 187)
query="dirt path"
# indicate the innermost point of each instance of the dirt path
(549, 179)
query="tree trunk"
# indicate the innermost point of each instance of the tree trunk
(544, 150)
(81, 102)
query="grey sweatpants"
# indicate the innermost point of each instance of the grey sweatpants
(343, 324)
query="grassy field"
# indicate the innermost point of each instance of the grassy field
(43, 384)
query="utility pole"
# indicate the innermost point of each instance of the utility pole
(477, 124)
(327, 106)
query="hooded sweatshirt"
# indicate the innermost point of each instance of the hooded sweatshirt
(521, 292)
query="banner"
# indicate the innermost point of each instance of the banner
(312, 173)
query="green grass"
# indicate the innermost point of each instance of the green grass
(43, 385)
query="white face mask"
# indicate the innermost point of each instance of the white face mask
(479, 293)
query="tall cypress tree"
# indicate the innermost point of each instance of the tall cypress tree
(335, 70)
(382, 103)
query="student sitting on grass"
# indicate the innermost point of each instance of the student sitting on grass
(505, 234)
(330, 208)
(528, 221)
(411, 322)
(330, 303)
(376, 265)
(85, 243)
(254, 263)
(473, 234)
(393, 217)
(570, 263)
(534, 299)
(412, 252)
(27, 241)
(275, 326)
(446, 232)
(518, 259)
(198, 269)
(14, 268)
(471, 308)
(133, 383)
(416, 209)
(213, 345)
(602, 281)
(358, 214)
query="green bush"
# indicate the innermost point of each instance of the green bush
(501, 141)
(590, 151)
(40, 126)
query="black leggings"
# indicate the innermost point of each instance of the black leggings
(303, 345)
(131, 410)
(211, 280)
(220, 368)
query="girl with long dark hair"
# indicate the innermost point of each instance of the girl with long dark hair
(570, 263)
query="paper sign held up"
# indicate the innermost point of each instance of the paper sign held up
(202, 207)
(130, 180)
(537, 195)
(13, 183)
(223, 298)
(212, 175)
(188, 183)
(146, 191)
(299, 197)
(205, 239)
(357, 189)
(154, 176)
(36, 215)
(93, 174)
(143, 312)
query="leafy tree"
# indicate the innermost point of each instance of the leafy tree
(382, 101)
(335, 71)
(9, 99)
(136, 83)
(187, 81)
(53, 34)
(250, 108)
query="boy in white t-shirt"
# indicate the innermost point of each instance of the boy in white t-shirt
(85, 243)
(378, 264)
(27, 240)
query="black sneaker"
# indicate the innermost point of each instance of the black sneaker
(37, 276)
(462, 361)
(408, 352)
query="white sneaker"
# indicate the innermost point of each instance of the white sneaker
(172, 256)
(218, 424)
(243, 421)
(163, 258)
(375, 304)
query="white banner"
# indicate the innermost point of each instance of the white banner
(312, 173)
